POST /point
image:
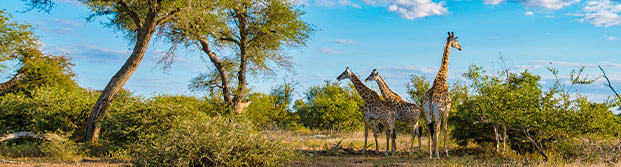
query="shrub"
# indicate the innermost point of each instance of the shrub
(46, 109)
(265, 111)
(331, 107)
(131, 118)
(59, 149)
(210, 141)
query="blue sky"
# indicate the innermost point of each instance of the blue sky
(398, 37)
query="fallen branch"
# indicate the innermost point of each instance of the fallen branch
(348, 150)
(535, 144)
(28, 135)
(7, 161)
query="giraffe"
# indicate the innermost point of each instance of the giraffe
(8, 84)
(437, 100)
(375, 109)
(404, 111)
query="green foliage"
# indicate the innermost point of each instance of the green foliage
(47, 99)
(417, 87)
(519, 103)
(273, 109)
(14, 37)
(122, 20)
(46, 109)
(61, 149)
(266, 111)
(44, 70)
(210, 141)
(132, 118)
(331, 107)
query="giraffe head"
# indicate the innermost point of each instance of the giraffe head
(452, 41)
(374, 76)
(345, 75)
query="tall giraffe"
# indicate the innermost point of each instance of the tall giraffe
(8, 84)
(375, 108)
(437, 100)
(404, 111)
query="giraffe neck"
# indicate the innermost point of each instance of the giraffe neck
(386, 92)
(8, 84)
(365, 92)
(441, 77)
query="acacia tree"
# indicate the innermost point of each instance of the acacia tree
(139, 20)
(14, 38)
(253, 36)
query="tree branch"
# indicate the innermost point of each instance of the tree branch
(229, 39)
(607, 80)
(132, 14)
(167, 17)
(539, 149)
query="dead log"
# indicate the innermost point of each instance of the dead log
(28, 135)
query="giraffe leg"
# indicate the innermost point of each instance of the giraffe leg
(436, 145)
(431, 129)
(413, 133)
(436, 127)
(394, 138)
(366, 134)
(445, 131)
(387, 130)
(445, 115)
(375, 135)
(427, 112)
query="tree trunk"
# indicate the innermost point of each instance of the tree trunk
(143, 37)
(504, 138)
(496, 138)
(226, 90)
(241, 75)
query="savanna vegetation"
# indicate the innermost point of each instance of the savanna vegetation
(497, 117)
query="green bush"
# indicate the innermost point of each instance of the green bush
(210, 141)
(265, 111)
(46, 109)
(58, 149)
(131, 118)
(331, 107)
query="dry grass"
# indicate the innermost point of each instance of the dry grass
(313, 149)
(58, 163)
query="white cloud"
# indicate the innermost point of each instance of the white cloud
(601, 13)
(612, 38)
(545, 4)
(576, 65)
(527, 67)
(493, 2)
(329, 51)
(529, 13)
(413, 9)
(343, 41)
(336, 3)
